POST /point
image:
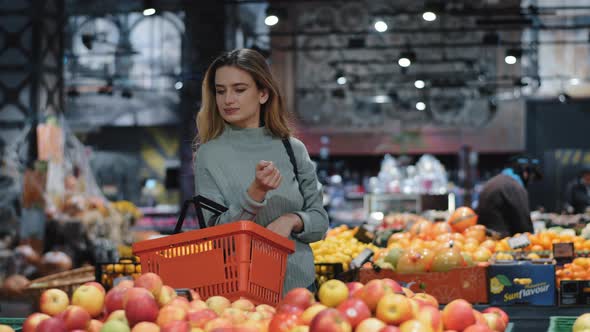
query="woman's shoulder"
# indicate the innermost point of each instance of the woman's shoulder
(298, 146)
(210, 149)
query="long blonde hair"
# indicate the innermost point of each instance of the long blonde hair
(209, 122)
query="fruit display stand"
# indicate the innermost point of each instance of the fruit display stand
(15, 323)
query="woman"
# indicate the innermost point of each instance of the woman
(242, 163)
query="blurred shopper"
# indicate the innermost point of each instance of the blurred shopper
(578, 192)
(504, 201)
(242, 161)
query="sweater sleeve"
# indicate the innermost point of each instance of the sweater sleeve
(313, 214)
(207, 185)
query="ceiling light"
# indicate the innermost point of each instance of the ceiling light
(510, 59)
(419, 84)
(273, 15)
(380, 26)
(404, 62)
(178, 85)
(271, 20)
(429, 16)
(382, 99)
(420, 106)
(512, 55)
(341, 80)
(149, 11)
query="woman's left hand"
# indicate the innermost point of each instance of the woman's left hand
(286, 224)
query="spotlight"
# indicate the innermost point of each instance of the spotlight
(420, 106)
(406, 58)
(271, 20)
(148, 8)
(178, 85)
(429, 16)
(419, 84)
(380, 26)
(564, 98)
(431, 9)
(341, 80)
(512, 56)
(274, 15)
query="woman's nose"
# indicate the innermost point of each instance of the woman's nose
(230, 98)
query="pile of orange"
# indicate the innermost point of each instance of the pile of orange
(545, 241)
(579, 269)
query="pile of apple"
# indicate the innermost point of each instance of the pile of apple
(582, 323)
(143, 305)
(381, 305)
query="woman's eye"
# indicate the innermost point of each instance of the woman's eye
(240, 90)
(219, 92)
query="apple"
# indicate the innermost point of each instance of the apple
(353, 286)
(89, 298)
(95, 325)
(218, 303)
(217, 323)
(479, 319)
(300, 328)
(97, 285)
(582, 323)
(300, 297)
(76, 318)
(198, 318)
(265, 307)
(53, 301)
(494, 322)
(311, 311)
(134, 292)
(414, 325)
(51, 324)
(373, 291)
(30, 324)
(390, 328)
(145, 327)
(141, 308)
(284, 322)
(424, 298)
(176, 326)
(194, 294)
(498, 311)
(166, 295)
(181, 302)
(115, 325)
(6, 328)
(151, 282)
(126, 283)
(416, 306)
(408, 292)
(244, 304)
(289, 309)
(354, 310)
(118, 315)
(411, 261)
(394, 309)
(431, 317)
(332, 293)
(114, 299)
(457, 315)
(478, 328)
(394, 285)
(447, 259)
(235, 315)
(370, 325)
(330, 320)
(197, 305)
(170, 313)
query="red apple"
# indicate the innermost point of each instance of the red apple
(477, 328)
(494, 322)
(289, 309)
(414, 325)
(353, 287)
(500, 312)
(166, 295)
(95, 326)
(431, 317)
(176, 326)
(373, 291)
(170, 313)
(151, 282)
(53, 301)
(217, 323)
(354, 310)
(244, 305)
(309, 313)
(89, 298)
(330, 320)
(126, 283)
(141, 308)
(299, 297)
(30, 324)
(218, 303)
(457, 315)
(134, 292)
(395, 287)
(198, 318)
(114, 299)
(180, 301)
(145, 327)
(479, 319)
(284, 322)
(51, 324)
(394, 309)
(97, 285)
(370, 325)
(424, 298)
(76, 318)
(332, 293)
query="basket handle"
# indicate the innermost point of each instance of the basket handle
(199, 202)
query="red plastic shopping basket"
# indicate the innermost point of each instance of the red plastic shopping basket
(238, 259)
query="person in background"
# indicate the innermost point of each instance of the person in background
(578, 192)
(504, 201)
(243, 164)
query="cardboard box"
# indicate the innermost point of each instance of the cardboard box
(522, 283)
(574, 292)
(469, 283)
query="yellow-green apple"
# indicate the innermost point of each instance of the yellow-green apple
(97, 285)
(479, 319)
(426, 299)
(299, 297)
(198, 318)
(52, 324)
(197, 305)
(125, 283)
(414, 325)
(457, 315)
(118, 315)
(498, 311)
(284, 321)
(254, 315)
(95, 325)
(145, 327)
(478, 328)
(176, 326)
(217, 323)
(53, 301)
(353, 286)
(6, 328)
(115, 325)
(245, 304)
(394, 309)
(300, 328)
(89, 298)
(30, 324)
(332, 293)
(431, 317)
(394, 285)
(170, 313)
(151, 282)
(330, 320)
(265, 307)
(180, 301)
(390, 328)
(408, 292)
(416, 306)
(76, 317)
(494, 322)
(370, 325)
(354, 310)
(114, 299)
(373, 291)
(141, 308)
(309, 313)
(218, 303)
(235, 315)
(581, 323)
(166, 295)
(134, 292)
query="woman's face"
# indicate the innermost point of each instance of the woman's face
(238, 98)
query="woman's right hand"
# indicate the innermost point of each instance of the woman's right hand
(267, 178)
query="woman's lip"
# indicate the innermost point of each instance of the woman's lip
(230, 110)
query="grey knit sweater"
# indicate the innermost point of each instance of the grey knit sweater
(225, 168)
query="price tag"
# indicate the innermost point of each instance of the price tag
(563, 252)
(364, 236)
(520, 241)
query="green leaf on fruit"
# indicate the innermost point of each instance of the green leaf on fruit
(422, 286)
(504, 280)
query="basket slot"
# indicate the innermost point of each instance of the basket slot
(269, 266)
